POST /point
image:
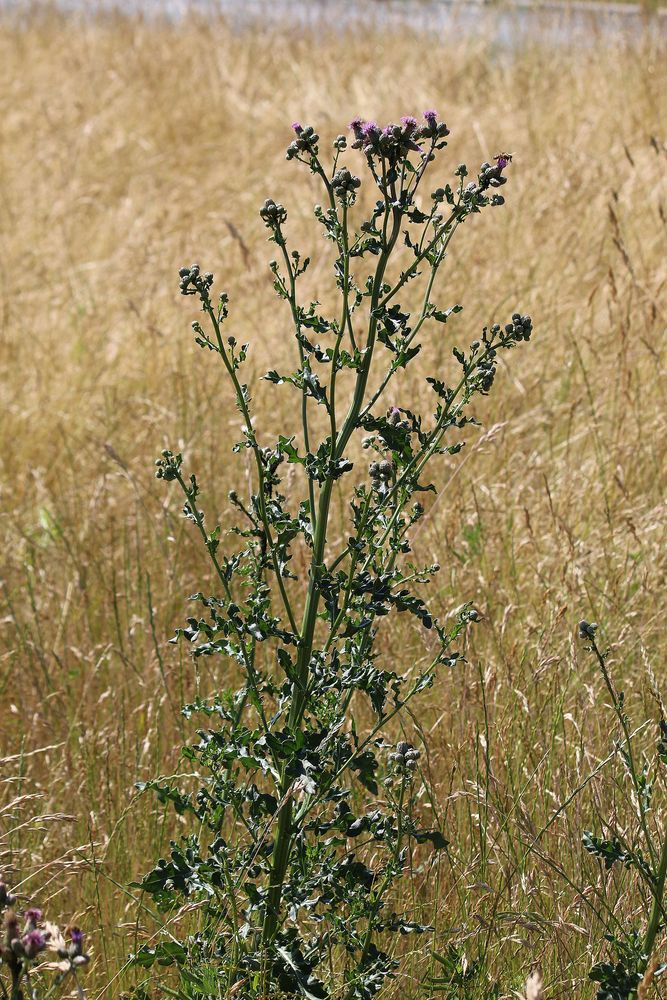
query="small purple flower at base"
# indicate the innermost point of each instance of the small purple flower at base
(32, 918)
(502, 160)
(76, 937)
(33, 942)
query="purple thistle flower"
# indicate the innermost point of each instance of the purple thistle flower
(75, 947)
(76, 935)
(33, 942)
(368, 128)
(298, 127)
(409, 122)
(501, 162)
(357, 124)
(33, 916)
(430, 116)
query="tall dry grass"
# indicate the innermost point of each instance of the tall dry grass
(128, 148)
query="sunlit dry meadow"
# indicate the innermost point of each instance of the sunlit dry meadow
(130, 147)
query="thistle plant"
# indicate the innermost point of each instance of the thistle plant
(37, 960)
(636, 952)
(306, 812)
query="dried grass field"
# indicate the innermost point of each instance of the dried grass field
(129, 147)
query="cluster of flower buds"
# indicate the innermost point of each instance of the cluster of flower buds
(587, 630)
(486, 373)
(306, 141)
(193, 282)
(394, 142)
(345, 185)
(404, 759)
(380, 472)
(521, 327)
(491, 174)
(273, 215)
(168, 466)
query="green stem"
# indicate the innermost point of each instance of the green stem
(248, 661)
(344, 320)
(632, 767)
(302, 359)
(243, 407)
(422, 317)
(16, 983)
(300, 684)
(657, 909)
(389, 876)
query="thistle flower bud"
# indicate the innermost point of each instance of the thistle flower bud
(11, 932)
(345, 184)
(272, 214)
(470, 191)
(6, 897)
(193, 283)
(587, 630)
(404, 758)
(75, 947)
(32, 944)
(32, 918)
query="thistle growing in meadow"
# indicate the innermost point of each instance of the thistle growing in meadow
(306, 812)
